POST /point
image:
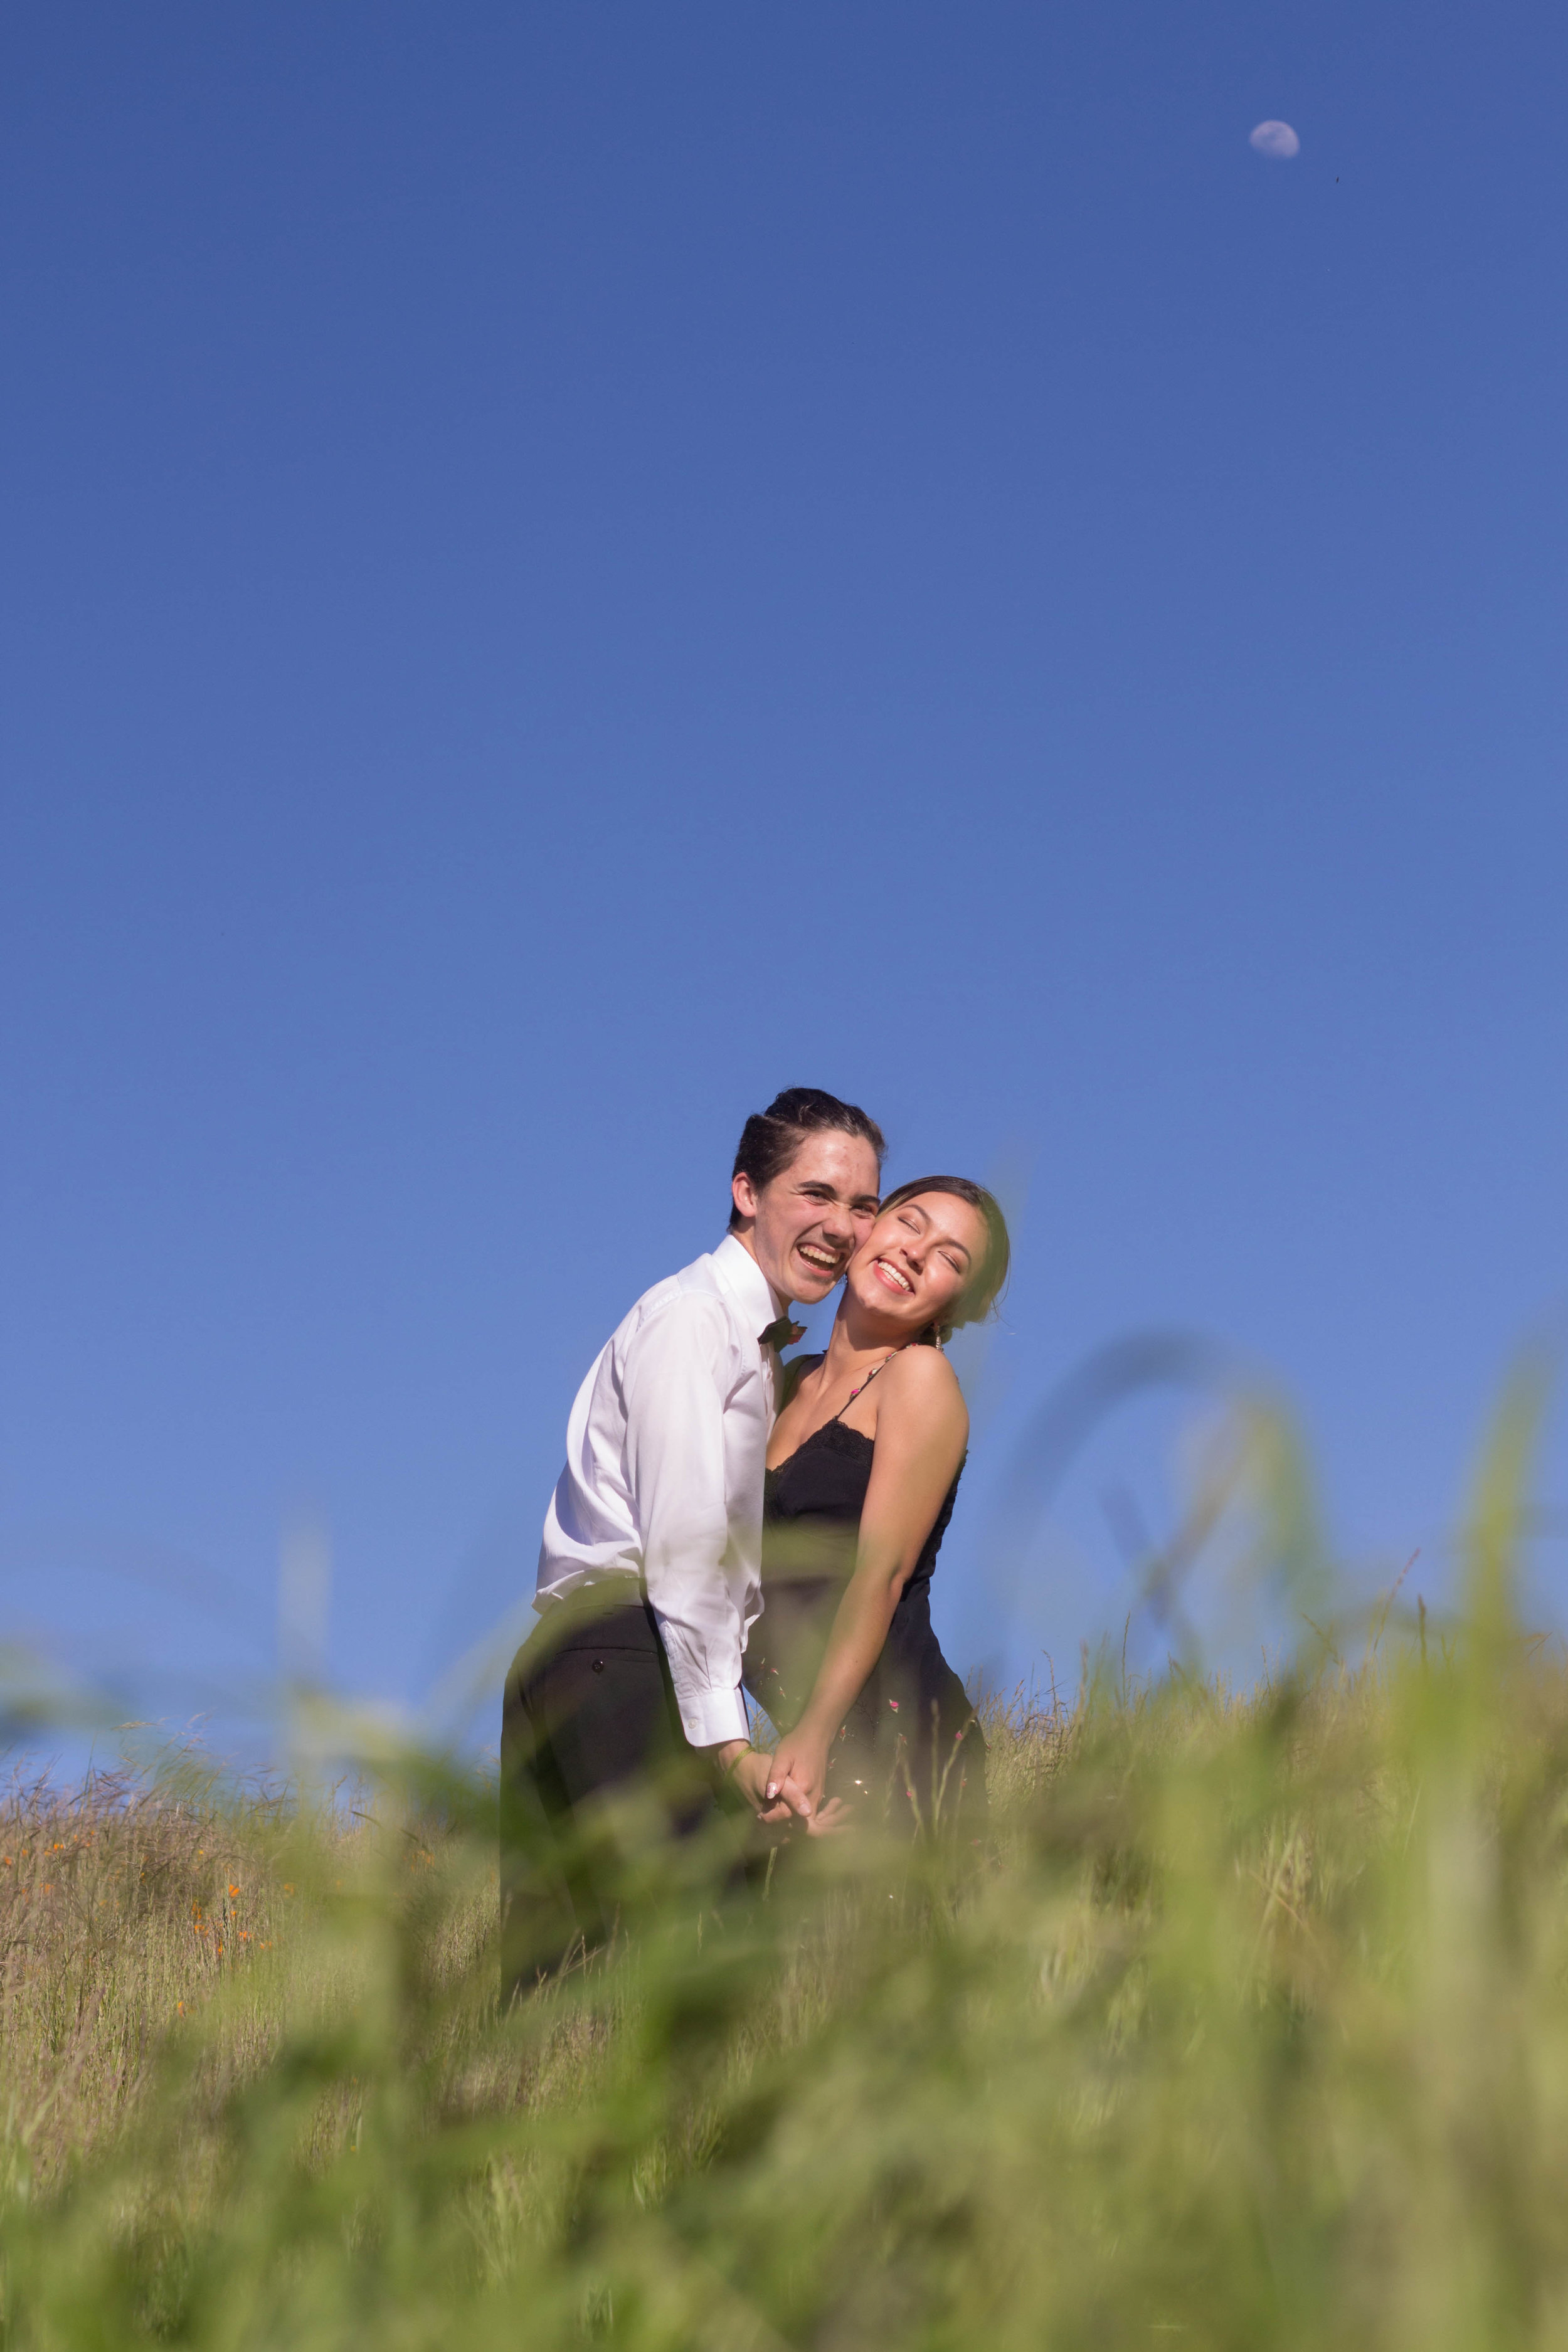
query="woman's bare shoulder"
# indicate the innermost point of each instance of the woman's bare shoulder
(921, 1381)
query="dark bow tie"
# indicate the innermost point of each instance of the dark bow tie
(781, 1334)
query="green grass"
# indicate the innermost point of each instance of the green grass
(1251, 2029)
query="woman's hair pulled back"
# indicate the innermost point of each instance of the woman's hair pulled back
(986, 1283)
(771, 1139)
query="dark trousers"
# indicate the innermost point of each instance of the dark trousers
(595, 1772)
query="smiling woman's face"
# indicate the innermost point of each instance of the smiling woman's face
(917, 1260)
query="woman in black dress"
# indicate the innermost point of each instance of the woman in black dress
(863, 1466)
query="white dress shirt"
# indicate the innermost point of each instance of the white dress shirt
(666, 1450)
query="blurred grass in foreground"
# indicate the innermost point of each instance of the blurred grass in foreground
(1251, 2029)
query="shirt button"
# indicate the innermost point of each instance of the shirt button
(598, 1665)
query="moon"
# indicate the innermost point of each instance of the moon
(1275, 140)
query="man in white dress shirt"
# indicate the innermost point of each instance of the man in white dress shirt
(649, 1573)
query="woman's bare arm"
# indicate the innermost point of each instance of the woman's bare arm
(922, 1427)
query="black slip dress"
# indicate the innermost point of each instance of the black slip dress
(911, 1751)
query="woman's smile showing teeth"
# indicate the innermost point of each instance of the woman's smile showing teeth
(890, 1275)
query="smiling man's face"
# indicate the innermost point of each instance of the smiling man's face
(803, 1228)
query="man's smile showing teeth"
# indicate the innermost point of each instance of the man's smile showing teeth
(815, 1255)
(892, 1276)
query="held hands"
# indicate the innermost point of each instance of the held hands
(800, 1764)
(774, 1799)
(773, 1786)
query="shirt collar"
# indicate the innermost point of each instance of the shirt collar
(746, 1283)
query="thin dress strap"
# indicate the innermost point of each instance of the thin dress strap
(865, 1384)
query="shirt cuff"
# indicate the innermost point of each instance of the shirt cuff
(709, 1716)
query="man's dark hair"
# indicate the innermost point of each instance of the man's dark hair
(771, 1139)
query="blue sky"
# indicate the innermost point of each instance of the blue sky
(564, 569)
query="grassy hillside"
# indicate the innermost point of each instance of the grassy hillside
(1250, 2029)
